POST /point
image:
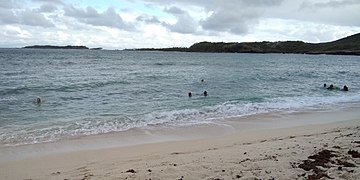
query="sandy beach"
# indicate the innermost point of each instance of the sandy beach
(326, 149)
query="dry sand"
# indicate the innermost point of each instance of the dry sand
(303, 152)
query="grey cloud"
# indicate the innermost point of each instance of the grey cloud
(8, 4)
(230, 21)
(49, 1)
(262, 2)
(25, 17)
(33, 18)
(90, 16)
(7, 16)
(233, 16)
(185, 23)
(89, 12)
(11, 33)
(174, 10)
(148, 19)
(239, 16)
(47, 8)
(340, 13)
(329, 4)
(216, 3)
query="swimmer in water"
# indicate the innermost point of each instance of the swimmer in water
(331, 87)
(345, 88)
(205, 93)
(325, 85)
(189, 94)
(38, 100)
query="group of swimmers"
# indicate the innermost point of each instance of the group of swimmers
(332, 87)
(205, 93)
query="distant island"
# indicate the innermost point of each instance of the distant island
(55, 47)
(98, 48)
(346, 46)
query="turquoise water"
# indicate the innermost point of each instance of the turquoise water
(88, 92)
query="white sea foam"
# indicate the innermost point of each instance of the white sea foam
(92, 126)
(235, 109)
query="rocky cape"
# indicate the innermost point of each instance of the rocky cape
(346, 46)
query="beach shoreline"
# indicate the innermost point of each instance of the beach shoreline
(173, 132)
(245, 149)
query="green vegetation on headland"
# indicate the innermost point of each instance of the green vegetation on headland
(346, 46)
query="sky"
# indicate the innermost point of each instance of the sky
(119, 24)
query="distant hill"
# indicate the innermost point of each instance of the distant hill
(55, 47)
(346, 46)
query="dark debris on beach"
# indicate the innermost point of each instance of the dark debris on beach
(318, 164)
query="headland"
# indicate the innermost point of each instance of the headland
(346, 46)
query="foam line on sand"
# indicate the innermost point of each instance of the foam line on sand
(303, 152)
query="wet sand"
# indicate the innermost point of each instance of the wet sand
(295, 146)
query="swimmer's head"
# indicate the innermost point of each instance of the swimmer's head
(38, 100)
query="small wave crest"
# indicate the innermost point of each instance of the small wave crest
(17, 90)
(49, 132)
(59, 87)
(240, 109)
(85, 86)
(164, 64)
(14, 73)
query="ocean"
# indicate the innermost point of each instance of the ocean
(90, 92)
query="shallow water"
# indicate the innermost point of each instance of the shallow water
(88, 92)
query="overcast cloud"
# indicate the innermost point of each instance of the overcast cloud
(108, 18)
(118, 24)
(185, 23)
